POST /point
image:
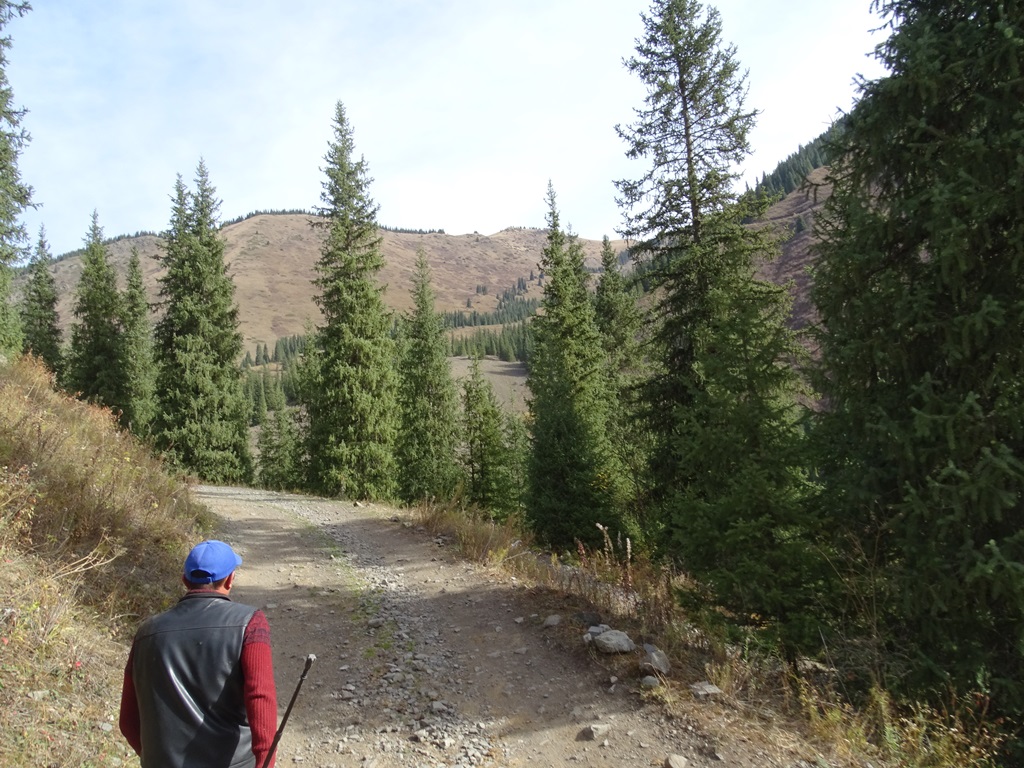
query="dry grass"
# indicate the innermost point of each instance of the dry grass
(61, 672)
(101, 494)
(92, 535)
(786, 716)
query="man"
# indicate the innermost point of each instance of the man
(198, 688)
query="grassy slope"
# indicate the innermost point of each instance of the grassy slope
(92, 535)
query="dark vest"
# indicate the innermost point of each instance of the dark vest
(188, 679)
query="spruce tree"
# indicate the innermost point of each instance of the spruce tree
(494, 449)
(920, 289)
(573, 478)
(202, 420)
(348, 378)
(137, 342)
(95, 366)
(15, 195)
(273, 391)
(619, 322)
(727, 464)
(280, 451)
(427, 400)
(39, 319)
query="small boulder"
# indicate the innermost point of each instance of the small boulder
(552, 621)
(655, 662)
(675, 761)
(614, 641)
(705, 690)
(649, 683)
(595, 731)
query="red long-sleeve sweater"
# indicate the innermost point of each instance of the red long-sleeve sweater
(260, 693)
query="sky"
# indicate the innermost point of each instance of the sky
(463, 109)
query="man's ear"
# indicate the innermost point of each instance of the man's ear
(229, 581)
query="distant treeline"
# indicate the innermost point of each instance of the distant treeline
(405, 231)
(286, 350)
(507, 312)
(512, 342)
(277, 212)
(108, 241)
(790, 173)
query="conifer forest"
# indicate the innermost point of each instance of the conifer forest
(851, 492)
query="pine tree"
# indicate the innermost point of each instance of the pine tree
(427, 400)
(495, 449)
(273, 391)
(726, 467)
(95, 367)
(137, 343)
(619, 322)
(348, 378)
(15, 195)
(573, 477)
(920, 289)
(280, 446)
(39, 319)
(259, 399)
(202, 421)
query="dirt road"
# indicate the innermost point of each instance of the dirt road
(425, 660)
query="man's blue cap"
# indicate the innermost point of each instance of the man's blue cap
(210, 561)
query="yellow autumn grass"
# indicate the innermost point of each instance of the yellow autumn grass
(93, 531)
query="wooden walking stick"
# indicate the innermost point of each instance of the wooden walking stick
(277, 736)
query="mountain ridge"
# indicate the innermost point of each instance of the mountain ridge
(272, 258)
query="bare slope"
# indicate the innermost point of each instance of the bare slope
(272, 258)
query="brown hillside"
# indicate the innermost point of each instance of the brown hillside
(794, 264)
(272, 258)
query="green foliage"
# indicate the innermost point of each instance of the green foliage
(280, 451)
(920, 289)
(790, 173)
(39, 319)
(95, 369)
(512, 342)
(573, 478)
(348, 381)
(510, 309)
(693, 127)
(253, 385)
(15, 195)
(726, 466)
(11, 339)
(427, 401)
(408, 231)
(619, 322)
(495, 449)
(202, 424)
(139, 364)
(288, 349)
